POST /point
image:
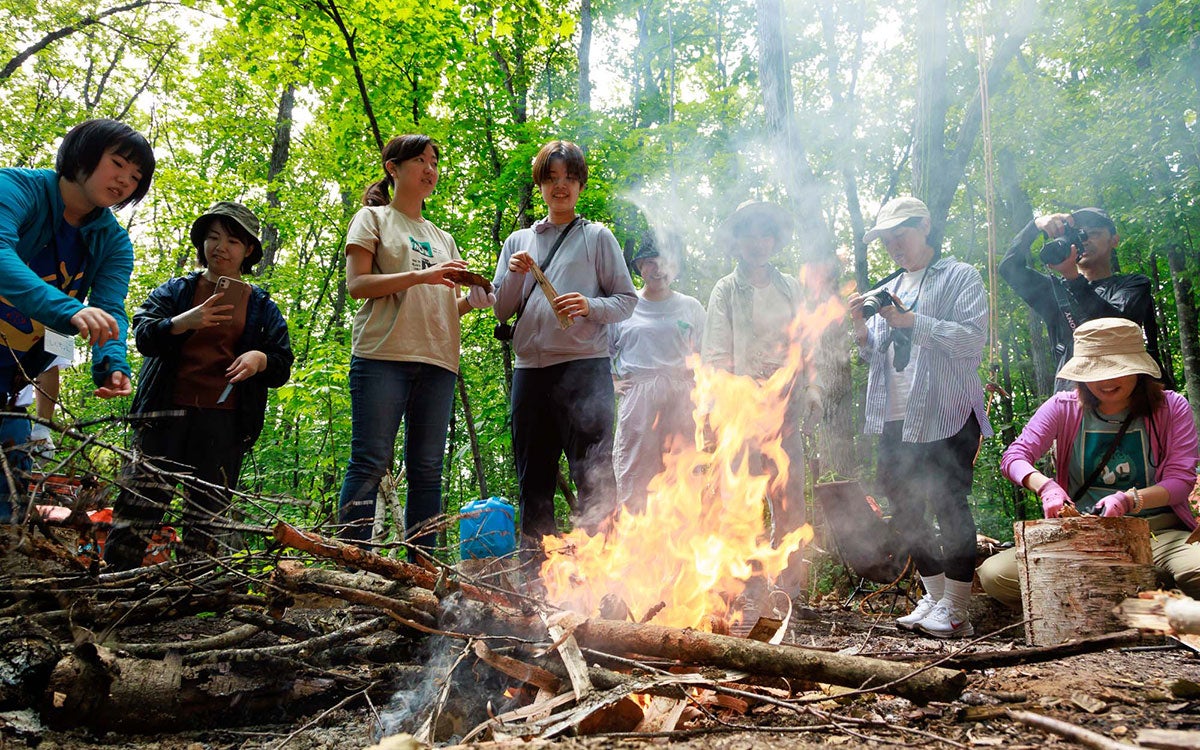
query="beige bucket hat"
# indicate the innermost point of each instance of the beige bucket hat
(1107, 348)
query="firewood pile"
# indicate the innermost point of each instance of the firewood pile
(312, 625)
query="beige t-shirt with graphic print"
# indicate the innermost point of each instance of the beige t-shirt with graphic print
(419, 324)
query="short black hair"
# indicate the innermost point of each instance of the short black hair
(237, 231)
(88, 141)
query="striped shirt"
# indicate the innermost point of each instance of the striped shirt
(949, 334)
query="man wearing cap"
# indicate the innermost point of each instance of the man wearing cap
(922, 337)
(1083, 287)
(650, 351)
(748, 332)
(213, 345)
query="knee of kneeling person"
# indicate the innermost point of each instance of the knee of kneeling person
(998, 577)
(1188, 581)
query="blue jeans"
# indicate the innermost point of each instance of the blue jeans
(382, 393)
(14, 438)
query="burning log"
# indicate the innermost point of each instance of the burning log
(726, 652)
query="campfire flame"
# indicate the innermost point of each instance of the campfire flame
(702, 533)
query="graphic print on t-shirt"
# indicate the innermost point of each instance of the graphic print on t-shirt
(422, 257)
(61, 265)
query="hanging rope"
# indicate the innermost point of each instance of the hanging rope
(989, 190)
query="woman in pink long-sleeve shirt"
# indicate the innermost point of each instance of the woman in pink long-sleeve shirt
(1148, 473)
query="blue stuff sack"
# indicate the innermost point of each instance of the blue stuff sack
(486, 529)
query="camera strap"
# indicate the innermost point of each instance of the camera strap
(1112, 448)
(549, 259)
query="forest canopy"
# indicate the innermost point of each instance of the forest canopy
(686, 109)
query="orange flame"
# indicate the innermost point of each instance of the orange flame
(692, 547)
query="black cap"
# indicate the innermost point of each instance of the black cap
(1093, 217)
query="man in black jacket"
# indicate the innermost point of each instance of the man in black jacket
(1083, 286)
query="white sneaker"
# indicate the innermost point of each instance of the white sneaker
(943, 622)
(923, 608)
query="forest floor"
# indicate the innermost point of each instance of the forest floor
(1117, 693)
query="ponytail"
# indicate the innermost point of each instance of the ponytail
(377, 193)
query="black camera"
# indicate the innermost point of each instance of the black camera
(901, 348)
(502, 332)
(874, 302)
(1057, 250)
(901, 337)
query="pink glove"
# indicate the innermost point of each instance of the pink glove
(1053, 498)
(1114, 505)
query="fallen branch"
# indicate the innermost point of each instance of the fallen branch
(726, 652)
(1070, 731)
(356, 557)
(1037, 654)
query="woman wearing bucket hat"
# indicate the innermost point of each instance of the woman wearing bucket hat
(925, 400)
(213, 360)
(1125, 445)
(653, 381)
(406, 339)
(748, 332)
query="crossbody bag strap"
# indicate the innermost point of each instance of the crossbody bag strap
(1112, 448)
(549, 259)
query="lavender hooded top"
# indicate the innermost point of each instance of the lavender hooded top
(1173, 445)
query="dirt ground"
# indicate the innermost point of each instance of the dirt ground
(1116, 693)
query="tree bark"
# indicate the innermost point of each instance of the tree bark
(280, 148)
(1185, 307)
(585, 56)
(727, 652)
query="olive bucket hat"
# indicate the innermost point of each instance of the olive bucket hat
(244, 217)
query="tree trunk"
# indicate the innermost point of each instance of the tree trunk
(938, 170)
(813, 235)
(473, 436)
(1185, 306)
(585, 56)
(280, 148)
(1074, 571)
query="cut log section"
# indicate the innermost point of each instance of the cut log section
(1073, 571)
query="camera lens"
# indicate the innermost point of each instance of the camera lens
(874, 302)
(1056, 251)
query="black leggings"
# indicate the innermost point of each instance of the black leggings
(203, 444)
(936, 475)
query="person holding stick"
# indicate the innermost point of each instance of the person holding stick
(1126, 446)
(562, 391)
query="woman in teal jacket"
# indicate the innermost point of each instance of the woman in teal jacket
(59, 246)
